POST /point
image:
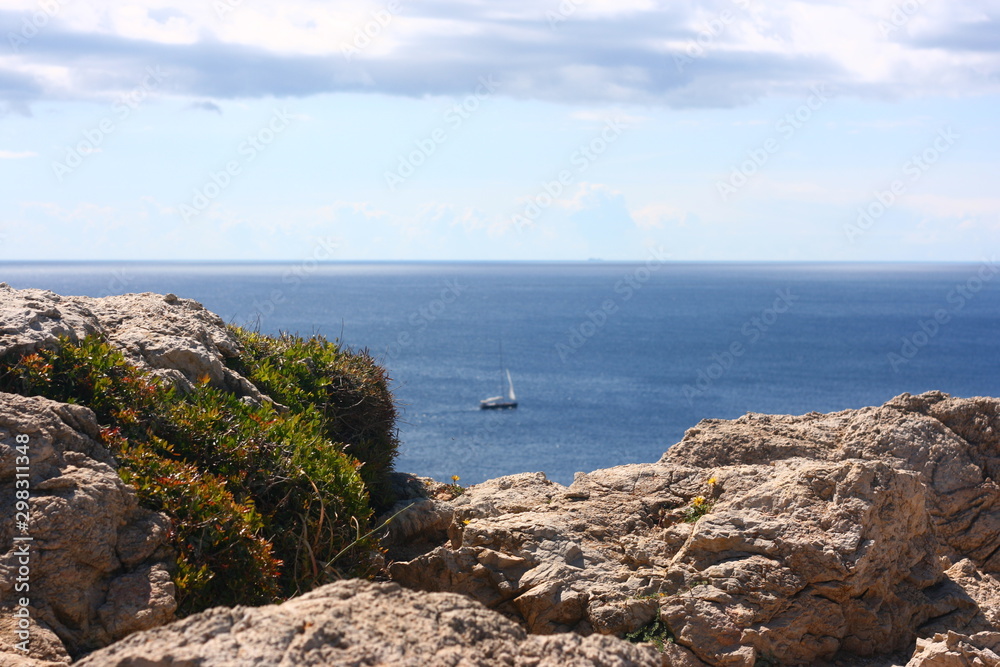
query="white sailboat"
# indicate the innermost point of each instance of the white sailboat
(507, 398)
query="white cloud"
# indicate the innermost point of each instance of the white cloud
(661, 214)
(607, 52)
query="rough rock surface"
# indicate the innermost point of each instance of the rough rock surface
(361, 623)
(775, 539)
(176, 339)
(97, 561)
(952, 649)
(953, 444)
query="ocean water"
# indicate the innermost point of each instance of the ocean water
(611, 362)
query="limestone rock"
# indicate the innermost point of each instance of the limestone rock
(97, 560)
(983, 590)
(176, 339)
(361, 623)
(418, 521)
(952, 649)
(951, 443)
(779, 539)
(808, 561)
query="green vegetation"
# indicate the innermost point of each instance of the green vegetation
(655, 632)
(699, 507)
(455, 488)
(266, 501)
(348, 393)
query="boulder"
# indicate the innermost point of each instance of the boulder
(173, 338)
(363, 623)
(953, 445)
(97, 564)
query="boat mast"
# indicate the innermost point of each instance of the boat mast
(502, 392)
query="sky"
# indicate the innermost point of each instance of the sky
(743, 130)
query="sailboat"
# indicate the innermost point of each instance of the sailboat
(507, 399)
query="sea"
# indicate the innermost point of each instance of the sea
(610, 362)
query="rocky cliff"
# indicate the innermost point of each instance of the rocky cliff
(764, 540)
(863, 537)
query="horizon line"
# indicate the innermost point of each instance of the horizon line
(593, 261)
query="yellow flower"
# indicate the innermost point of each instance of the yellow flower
(466, 521)
(711, 481)
(698, 501)
(455, 478)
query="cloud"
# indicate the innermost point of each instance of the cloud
(660, 215)
(972, 31)
(683, 54)
(17, 91)
(164, 14)
(206, 106)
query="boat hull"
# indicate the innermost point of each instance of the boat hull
(506, 405)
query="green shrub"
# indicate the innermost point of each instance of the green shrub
(348, 390)
(262, 500)
(655, 632)
(222, 554)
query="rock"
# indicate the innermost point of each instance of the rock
(807, 539)
(97, 561)
(911, 432)
(837, 555)
(175, 339)
(983, 590)
(810, 560)
(418, 521)
(361, 623)
(45, 648)
(952, 649)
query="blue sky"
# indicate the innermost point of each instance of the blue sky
(450, 130)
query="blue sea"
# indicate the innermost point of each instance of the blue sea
(611, 362)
